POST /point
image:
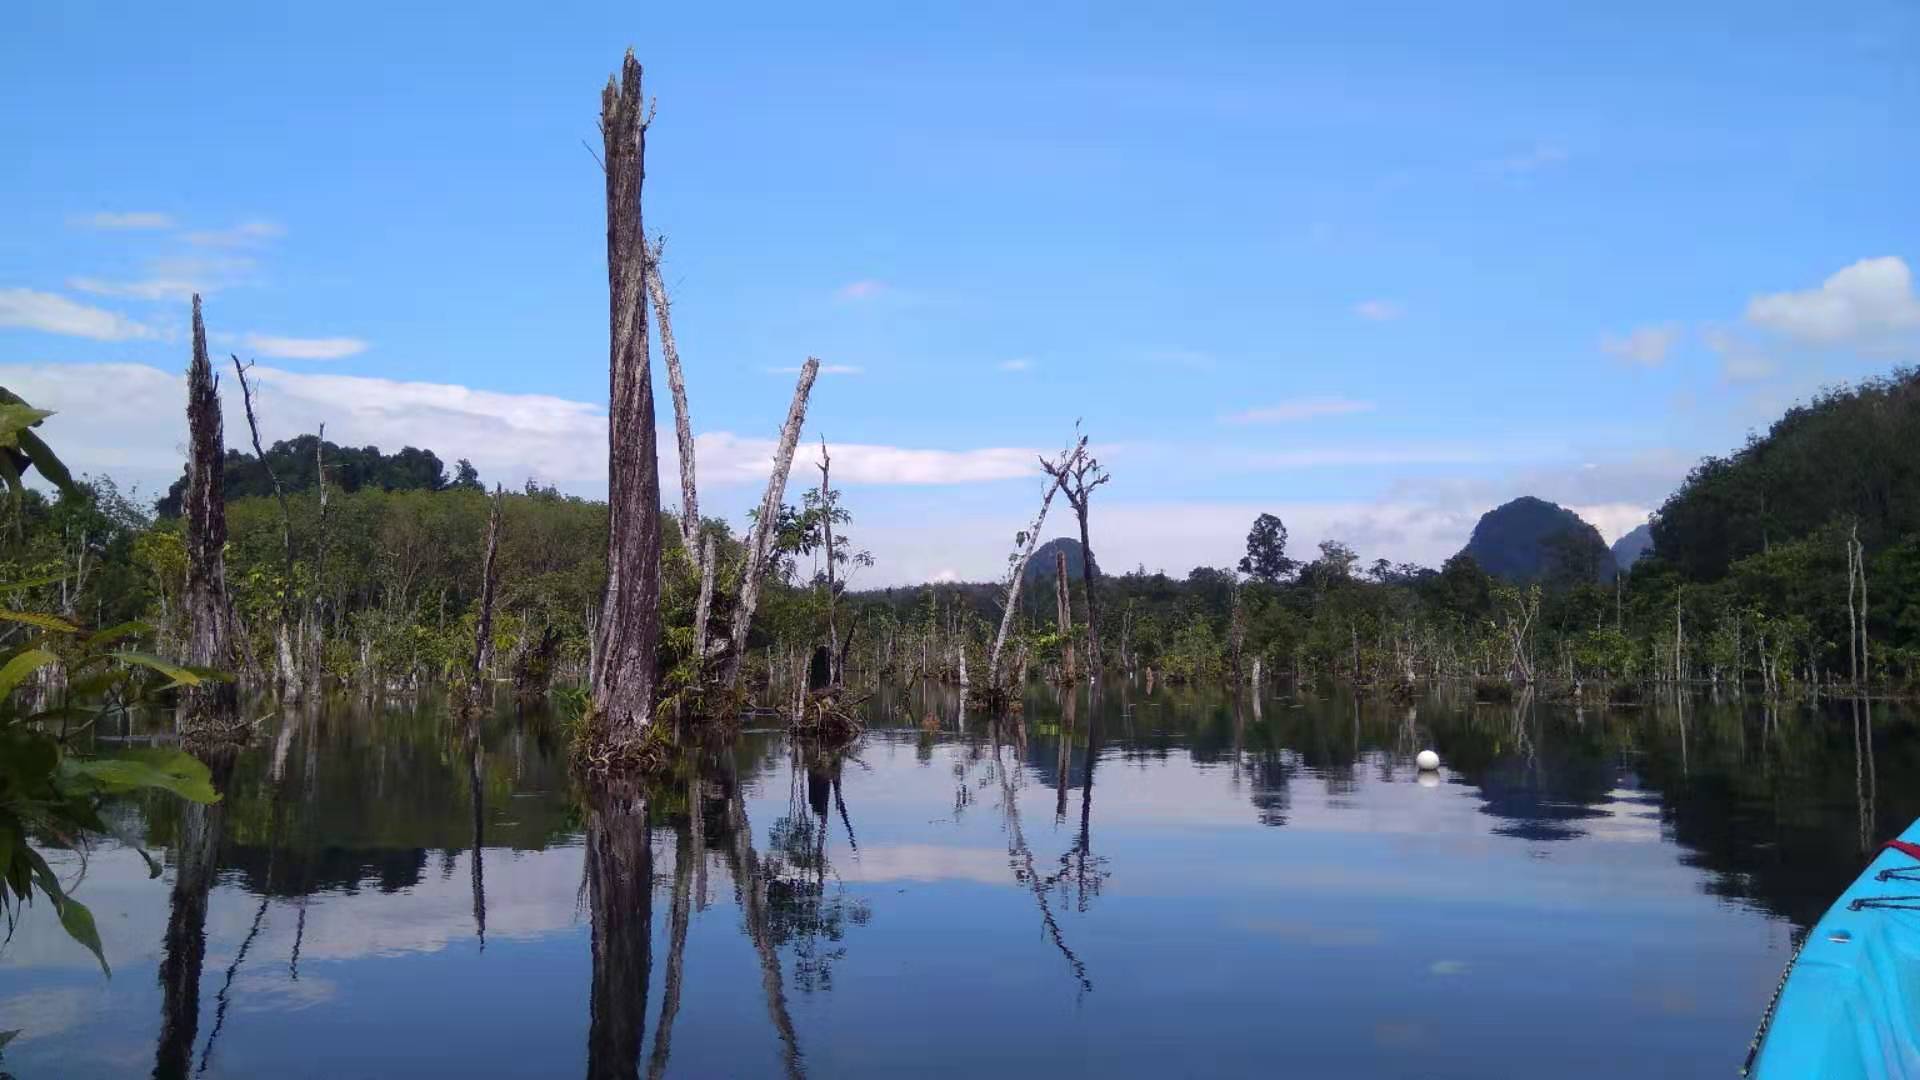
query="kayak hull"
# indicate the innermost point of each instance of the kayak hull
(1850, 1006)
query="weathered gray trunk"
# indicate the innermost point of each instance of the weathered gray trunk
(483, 627)
(761, 543)
(1063, 599)
(826, 527)
(703, 609)
(286, 668)
(682, 418)
(630, 615)
(207, 608)
(1018, 567)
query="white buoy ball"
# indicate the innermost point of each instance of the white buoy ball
(1428, 761)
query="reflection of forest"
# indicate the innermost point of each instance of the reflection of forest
(1775, 807)
(1775, 804)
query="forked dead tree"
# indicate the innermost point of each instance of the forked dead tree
(489, 578)
(760, 545)
(213, 705)
(286, 673)
(1063, 601)
(1077, 483)
(1017, 563)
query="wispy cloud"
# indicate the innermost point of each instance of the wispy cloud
(146, 289)
(1646, 346)
(132, 219)
(1870, 305)
(825, 369)
(246, 234)
(864, 289)
(1334, 457)
(1297, 409)
(1017, 364)
(1741, 359)
(295, 348)
(55, 314)
(1542, 156)
(1378, 310)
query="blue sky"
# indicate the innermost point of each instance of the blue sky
(1376, 267)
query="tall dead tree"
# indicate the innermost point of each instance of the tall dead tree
(760, 545)
(489, 578)
(1017, 563)
(826, 532)
(1063, 600)
(630, 614)
(1077, 483)
(316, 634)
(205, 603)
(285, 668)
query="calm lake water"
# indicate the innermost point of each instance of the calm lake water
(1142, 884)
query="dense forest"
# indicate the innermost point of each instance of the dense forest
(1747, 580)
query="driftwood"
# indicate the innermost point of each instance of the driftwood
(630, 616)
(208, 609)
(761, 543)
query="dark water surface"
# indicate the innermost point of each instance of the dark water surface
(1178, 885)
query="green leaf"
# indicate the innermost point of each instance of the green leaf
(21, 666)
(73, 914)
(9, 836)
(30, 583)
(181, 676)
(7, 1037)
(44, 622)
(16, 417)
(49, 464)
(79, 923)
(115, 633)
(164, 768)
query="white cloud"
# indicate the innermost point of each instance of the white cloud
(1297, 409)
(1378, 310)
(864, 289)
(1331, 457)
(245, 234)
(147, 289)
(1016, 364)
(1614, 520)
(1741, 360)
(133, 219)
(1869, 304)
(293, 348)
(825, 369)
(1542, 156)
(55, 314)
(136, 432)
(1646, 346)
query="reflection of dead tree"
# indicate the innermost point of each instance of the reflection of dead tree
(619, 870)
(196, 862)
(684, 854)
(1086, 870)
(1020, 857)
(475, 761)
(750, 882)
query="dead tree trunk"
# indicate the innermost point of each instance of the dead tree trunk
(211, 705)
(630, 622)
(1063, 599)
(762, 541)
(483, 628)
(316, 639)
(1018, 563)
(826, 527)
(1085, 475)
(285, 673)
(682, 418)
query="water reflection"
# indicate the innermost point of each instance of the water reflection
(1262, 848)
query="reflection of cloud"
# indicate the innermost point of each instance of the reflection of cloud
(928, 862)
(1315, 934)
(38, 1014)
